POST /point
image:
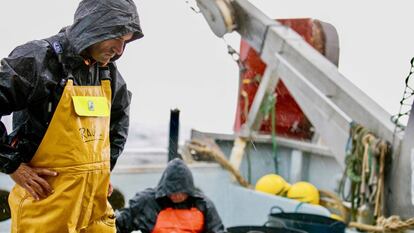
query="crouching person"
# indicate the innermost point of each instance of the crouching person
(175, 205)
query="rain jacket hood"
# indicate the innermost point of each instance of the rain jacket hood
(99, 20)
(176, 178)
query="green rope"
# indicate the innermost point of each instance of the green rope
(274, 143)
(268, 108)
(249, 162)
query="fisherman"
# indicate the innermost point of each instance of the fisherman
(71, 118)
(175, 205)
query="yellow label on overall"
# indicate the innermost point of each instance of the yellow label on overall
(91, 106)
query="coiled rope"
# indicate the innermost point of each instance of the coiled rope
(365, 161)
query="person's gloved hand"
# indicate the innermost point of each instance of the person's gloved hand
(31, 179)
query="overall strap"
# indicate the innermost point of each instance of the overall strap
(58, 49)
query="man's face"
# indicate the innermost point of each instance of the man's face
(178, 197)
(105, 50)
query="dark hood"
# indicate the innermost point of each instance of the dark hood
(177, 177)
(99, 20)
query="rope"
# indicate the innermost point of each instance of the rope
(380, 193)
(391, 224)
(217, 156)
(274, 143)
(365, 161)
(394, 223)
(400, 119)
(268, 109)
(330, 200)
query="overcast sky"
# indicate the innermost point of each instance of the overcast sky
(181, 64)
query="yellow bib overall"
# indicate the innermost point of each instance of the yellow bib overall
(76, 145)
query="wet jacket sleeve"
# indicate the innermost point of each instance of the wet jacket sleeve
(140, 215)
(121, 99)
(18, 88)
(213, 222)
(125, 221)
(17, 82)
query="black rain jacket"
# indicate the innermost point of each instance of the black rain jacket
(31, 77)
(144, 207)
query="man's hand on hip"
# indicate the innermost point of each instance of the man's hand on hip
(31, 179)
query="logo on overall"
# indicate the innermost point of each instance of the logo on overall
(91, 105)
(90, 134)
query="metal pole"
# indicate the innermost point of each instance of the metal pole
(173, 138)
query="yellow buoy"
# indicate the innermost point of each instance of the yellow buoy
(272, 184)
(337, 217)
(304, 192)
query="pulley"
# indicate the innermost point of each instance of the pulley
(219, 15)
